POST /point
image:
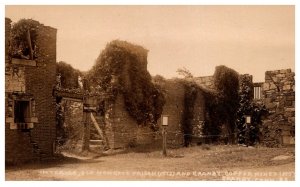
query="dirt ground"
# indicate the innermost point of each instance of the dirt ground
(194, 163)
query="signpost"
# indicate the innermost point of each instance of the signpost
(165, 119)
(248, 122)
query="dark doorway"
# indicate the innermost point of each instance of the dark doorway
(22, 111)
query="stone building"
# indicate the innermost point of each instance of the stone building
(29, 105)
(175, 107)
(122, 130)
(278, 95)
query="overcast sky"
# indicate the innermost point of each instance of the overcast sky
(249, 39)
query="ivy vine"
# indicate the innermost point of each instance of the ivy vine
(121, 69)
(23, 39)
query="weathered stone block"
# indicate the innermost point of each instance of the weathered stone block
(290, 98)
(23, 62)
(285, 133)
(291, 120)
(289, 109)
(289, 103)
(266, 86)
(272, 86)
(267, 123)
(286, 87)
(271, 105)
(286, 140)
(280, 75)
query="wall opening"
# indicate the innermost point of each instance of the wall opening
(22, 111)
(257, 91)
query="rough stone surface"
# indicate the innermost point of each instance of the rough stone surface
(121, 128)
(206, 81)
(123, 131)
(36, 82)
(279, 99)
(173, 108)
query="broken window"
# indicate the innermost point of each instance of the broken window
(257, 92)
(22, 112)
(23, 39)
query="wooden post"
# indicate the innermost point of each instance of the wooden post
(87, 129)
(100, 132)
(164, 135)
(248, 123)
(247, 134)
(164, 124)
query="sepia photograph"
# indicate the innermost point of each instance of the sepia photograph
(149, 92)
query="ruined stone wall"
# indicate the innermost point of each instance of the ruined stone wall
(278, 92)
(73, 125)
(40, 81)
(33, 80)
(206, 82)
(199, 115)
(7, 36)
(121, 128)
(174, 108)
(18, 146)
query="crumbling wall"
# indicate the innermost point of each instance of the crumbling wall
(18, 147)
(174, 106)
(34, 79)
(123, 131)
(199, 115)
(40, 81)
(279, 98)
(7, 36)
(120, 127)
(205, 81)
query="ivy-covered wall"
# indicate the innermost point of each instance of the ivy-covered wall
(278, 96)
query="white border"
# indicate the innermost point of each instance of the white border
(134, 2)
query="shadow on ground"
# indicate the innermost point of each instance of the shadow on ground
(57, 161)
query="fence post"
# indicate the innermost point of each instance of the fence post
(164, 134)
(86, 136)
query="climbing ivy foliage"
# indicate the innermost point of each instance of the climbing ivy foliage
(19, 43)
(69, 75)
(245, 107)
(212, 125)
(190, 97)
(226, 81)
(121, 69)
(257, 111)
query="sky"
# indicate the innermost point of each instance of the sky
(248, 39)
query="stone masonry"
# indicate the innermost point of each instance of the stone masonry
(121, 128)
(278, 95)
(279, 98)
(206, 82)
(30, 81)
(174, 109)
